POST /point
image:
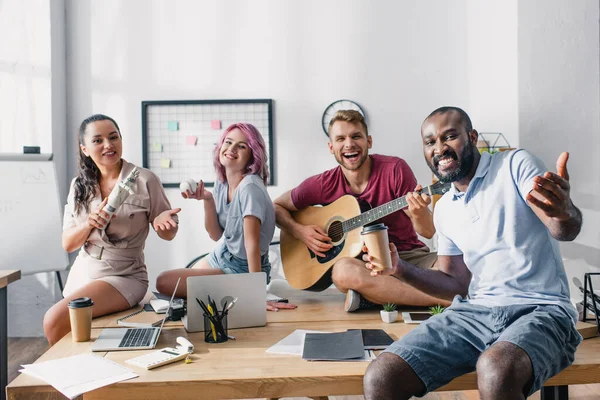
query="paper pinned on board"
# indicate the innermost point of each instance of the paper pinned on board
(75, 375)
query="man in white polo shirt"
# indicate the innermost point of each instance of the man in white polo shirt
(498, 228)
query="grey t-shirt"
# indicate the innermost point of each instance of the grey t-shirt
(250, 198)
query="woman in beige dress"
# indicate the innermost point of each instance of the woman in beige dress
(110, 267)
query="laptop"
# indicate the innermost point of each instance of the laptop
(249, 309)
(114, 339)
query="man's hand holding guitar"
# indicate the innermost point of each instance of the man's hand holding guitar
(314, 237)
(419, 213)
(418, 203)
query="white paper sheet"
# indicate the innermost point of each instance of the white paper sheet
(75, 375)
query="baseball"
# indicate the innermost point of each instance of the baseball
(188, 185)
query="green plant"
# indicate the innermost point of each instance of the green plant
(436, 309)
(389, 307)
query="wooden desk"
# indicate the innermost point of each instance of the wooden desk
(241, 369)
(6, 277)
(327, 305)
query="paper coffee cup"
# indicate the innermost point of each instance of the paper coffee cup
(80, 313)
(376, 240)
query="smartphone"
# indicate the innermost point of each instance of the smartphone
(415, 317)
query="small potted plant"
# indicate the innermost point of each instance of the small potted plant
(389, 313)
(436, 310)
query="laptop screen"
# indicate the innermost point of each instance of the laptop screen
(170, 305)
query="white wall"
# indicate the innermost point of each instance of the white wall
(514, 66)
(559, 108)
(33, 112)
(399, 60)
(492, 81)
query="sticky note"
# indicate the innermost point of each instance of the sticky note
(215, 124)
(157, 147)
(173, 125)
(191, 140)
(165, 163)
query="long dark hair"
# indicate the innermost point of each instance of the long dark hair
(88, 179)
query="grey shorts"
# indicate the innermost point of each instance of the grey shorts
(422, 257)
(221, 258)
(449, 344)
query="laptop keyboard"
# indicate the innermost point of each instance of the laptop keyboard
(137, 337)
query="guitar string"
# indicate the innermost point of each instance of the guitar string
(372, 215)
(368, 216)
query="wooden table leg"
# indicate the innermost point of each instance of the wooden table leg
(3, 343)
(554, 393)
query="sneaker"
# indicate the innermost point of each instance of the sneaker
(354, 301)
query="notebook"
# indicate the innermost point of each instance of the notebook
(159, 305)
(338, 346)
(375, 339)
(276, 299)
(113, 339)
(249, 310)
(141, 319)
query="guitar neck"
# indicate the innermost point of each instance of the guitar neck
(374, 214)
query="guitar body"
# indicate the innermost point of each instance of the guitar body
(305, 270)
(341, 221)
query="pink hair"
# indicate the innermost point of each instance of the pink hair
(258, 160)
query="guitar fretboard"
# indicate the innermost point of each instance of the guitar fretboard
(374, 214)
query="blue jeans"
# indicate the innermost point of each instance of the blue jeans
(449, 344)
(221, 258)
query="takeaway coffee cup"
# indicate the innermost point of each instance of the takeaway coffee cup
(376, 240)
(80, 313)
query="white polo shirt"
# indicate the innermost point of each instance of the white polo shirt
(509, 251)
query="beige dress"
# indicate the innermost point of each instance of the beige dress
(116, 255)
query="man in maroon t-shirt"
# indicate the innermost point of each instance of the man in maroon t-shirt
(376, 180)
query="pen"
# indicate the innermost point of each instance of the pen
(203, 306)
(224, 306)
(212, 304)
(212, 325)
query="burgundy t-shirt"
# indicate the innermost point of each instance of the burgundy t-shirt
(391, 178)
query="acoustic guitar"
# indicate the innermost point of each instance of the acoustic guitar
(304, 269)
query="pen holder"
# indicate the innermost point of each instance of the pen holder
(215, 328)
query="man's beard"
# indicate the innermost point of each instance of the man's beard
(462, 169)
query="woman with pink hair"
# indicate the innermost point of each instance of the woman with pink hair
(239, 208)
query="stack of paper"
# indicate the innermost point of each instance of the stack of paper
(297, 344)
(291, 344)
(160, 306)
(73, 376)
(339, 346)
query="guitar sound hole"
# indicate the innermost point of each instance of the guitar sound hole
(336, 231)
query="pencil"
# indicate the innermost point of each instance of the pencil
(212, 326)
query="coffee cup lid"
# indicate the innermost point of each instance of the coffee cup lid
(81, 302)
(373, 228)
